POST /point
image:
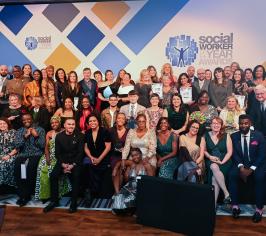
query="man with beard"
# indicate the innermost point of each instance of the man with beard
(69, 152)
(3, 81)
(30, 143)
(249, 161)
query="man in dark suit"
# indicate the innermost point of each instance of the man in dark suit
(258, 109)
(249, 149)
(191, 74)
(201, 83)
(89, 86)
(40, 114)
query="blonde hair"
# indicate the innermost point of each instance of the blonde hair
(171, 71)
(237, 108)
(142, 73)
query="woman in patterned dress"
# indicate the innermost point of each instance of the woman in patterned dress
(47, 163)
(7, 153)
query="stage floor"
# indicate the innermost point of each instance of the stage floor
(31, 221)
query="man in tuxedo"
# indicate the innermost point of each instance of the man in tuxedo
(249, 150)
(201, 83)
(132, 109)
(258, 109)
(89, 86)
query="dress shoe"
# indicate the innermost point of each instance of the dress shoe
(256, 217)
(50, 207)
(236, 212)
(227, 200)
(22, 202)
(73, 207)
(87, 198)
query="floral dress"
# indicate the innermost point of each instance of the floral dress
(42, 189)
(7, 144)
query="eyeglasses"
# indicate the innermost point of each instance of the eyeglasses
(194, 127)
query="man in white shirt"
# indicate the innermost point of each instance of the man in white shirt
(132, 109)
(249, 150)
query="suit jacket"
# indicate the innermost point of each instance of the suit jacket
(204, 87)
(90, 93)
(42, 118)
(257, 148)
(4, 99)
(258, 118)
(125, 109)
(107, 118)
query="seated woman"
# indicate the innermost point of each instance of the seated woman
(125, 198)
(218, 152)
(195, 145)
(66, 111)
(230, 114)
(144, 139)
(118, 135)
(97, 148)
(8, 153)
(177, 114)
(47, 163)
(83, 113)
(154, 113)
(166, 149)
(15, 111)
(204, 107)
(33, 88)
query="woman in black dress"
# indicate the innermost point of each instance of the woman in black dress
(97, 148)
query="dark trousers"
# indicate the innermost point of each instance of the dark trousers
(259, 180)
(2, 108)
(74, 177)
(26, 186)
(93, 177)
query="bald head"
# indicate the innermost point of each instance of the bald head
(201, 74)
(3, 70)
(191, 71)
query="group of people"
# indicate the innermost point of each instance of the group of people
(59, 134)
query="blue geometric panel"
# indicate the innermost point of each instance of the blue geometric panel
(12, 56)
(15, 17)
(85, 36)
(148, 22)
(111, 58)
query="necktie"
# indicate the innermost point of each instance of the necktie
(132, 110)
(246, 156)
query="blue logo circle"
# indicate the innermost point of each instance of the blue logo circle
(31, 43)
(181, 50)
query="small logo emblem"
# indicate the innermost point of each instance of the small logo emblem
(31, 43)
(181, 50)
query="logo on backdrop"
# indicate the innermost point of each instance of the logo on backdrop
(43, 42)
(181, 50)
(31, 43)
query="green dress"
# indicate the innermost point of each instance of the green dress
(168, 166)
(218, 150)
(42, 189)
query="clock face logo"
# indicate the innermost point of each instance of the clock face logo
(181, 50)
(31, 43)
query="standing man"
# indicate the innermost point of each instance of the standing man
(249, 149)
(108, 115)
(258, 109)
(3, 92)
(132, 109)
(69, 152)
(89, 86)
(201, 83)
(191, 74)
(30, 142)
(228, 73)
